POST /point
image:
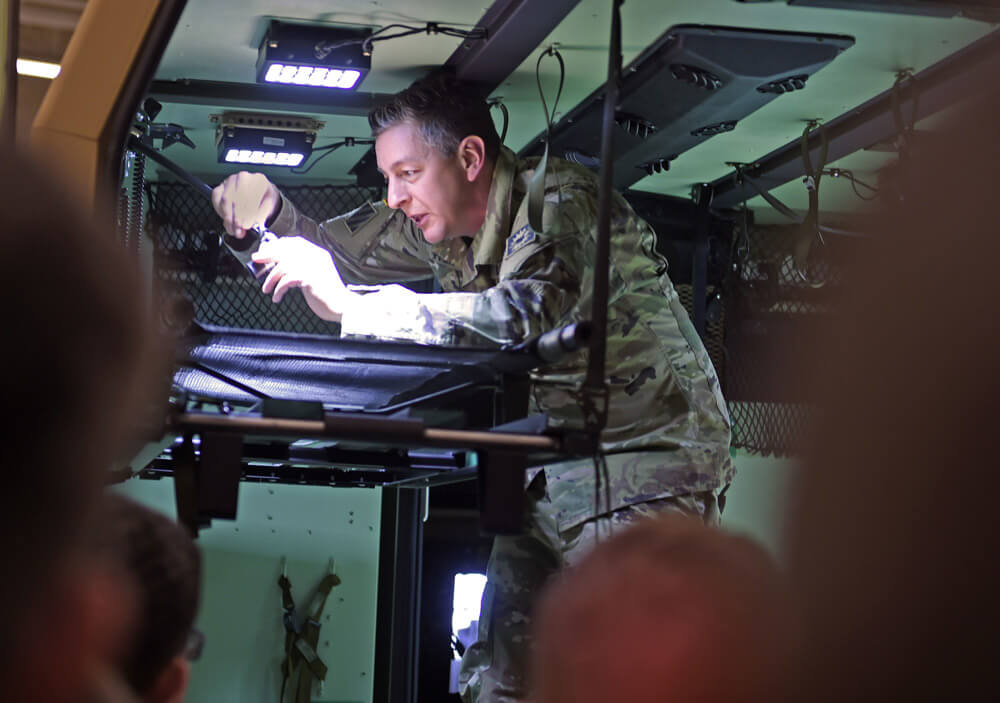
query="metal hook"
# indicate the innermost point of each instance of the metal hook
(332, 566)
(284, 567)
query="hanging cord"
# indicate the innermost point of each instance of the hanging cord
(536, 189)
(329, 149)
(739, 251)
(810, 226)
(813, 175)
(854, 181)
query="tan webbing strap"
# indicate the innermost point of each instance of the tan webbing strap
(305, 651)
(301, 645)
(288, 619)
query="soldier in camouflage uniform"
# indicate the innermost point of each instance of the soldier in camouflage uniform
(667, 437)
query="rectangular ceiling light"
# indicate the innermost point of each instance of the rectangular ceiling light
(264, 139)
(315, 56)
(38, 69)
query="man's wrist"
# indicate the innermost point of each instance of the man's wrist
(277, 211)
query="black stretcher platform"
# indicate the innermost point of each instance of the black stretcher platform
(251, 405)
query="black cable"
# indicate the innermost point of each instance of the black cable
(408, 30)
(855, 182)
(854, 186)
(329, 149)
(506, 117)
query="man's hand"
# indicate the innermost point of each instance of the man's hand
(244, 200)
(298, 263)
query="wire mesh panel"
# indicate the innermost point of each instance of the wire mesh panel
(773, 308)
(754, 339)
(714, 325)
(190, 260)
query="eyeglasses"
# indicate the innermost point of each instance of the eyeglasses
(194, 645)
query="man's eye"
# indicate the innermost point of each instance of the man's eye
(409, 173)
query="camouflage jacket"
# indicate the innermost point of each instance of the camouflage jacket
(668, 429)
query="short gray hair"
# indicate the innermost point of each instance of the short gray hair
(444, 110)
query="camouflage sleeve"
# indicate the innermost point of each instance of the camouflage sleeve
(539, 283)
(370, 244)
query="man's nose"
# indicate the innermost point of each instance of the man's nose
(396, 195)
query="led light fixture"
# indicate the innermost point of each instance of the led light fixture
(264, 139)
(38, 69)
(313, 55)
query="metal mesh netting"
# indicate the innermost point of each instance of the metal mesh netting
(189, 257)
(769, 305)
(771, 308)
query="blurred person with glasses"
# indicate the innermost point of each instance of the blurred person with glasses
(161, 560)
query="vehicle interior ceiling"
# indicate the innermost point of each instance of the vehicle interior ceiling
(845, 56)
(728, 111)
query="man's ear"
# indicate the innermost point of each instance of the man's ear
(172, 683)
(472, 153)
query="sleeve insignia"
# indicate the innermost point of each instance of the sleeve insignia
(519, 239)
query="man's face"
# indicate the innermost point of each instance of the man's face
(432, 189)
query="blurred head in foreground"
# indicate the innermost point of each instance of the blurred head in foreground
(668, 610)
(79, 362)
(163, 563)
(893, 537)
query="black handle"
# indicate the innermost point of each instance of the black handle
(199, 185)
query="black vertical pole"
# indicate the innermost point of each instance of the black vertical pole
(599, 314)
(8, 118)
(397, 643)
(699, 282)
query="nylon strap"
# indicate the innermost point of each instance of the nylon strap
(291, 629)
(536, 187)
(810, 227)
(301, 643)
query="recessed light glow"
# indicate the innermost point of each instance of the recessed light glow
(264, 158)
(274, 73)
(333, 78)
(38, 69)
(318, 76)
(349, 78)
(312, 75)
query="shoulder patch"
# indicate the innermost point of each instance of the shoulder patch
(520, 238)
(360, 217)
